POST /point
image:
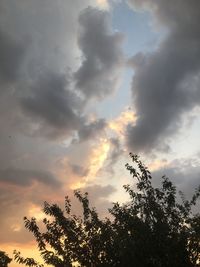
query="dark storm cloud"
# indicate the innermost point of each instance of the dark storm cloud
(51, 27)
(58, 109)
(53, 104)
(163, 85)
(26, 178)
(99, 72)
(11, 56)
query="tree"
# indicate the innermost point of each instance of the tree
(4, 259)
(153, 229)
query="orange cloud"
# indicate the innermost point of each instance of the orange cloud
(157, 165)
(103, 4)
(118, 125)
(97, 158)
(36, 212)
(99, 152)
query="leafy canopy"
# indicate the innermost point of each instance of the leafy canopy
(152, 230)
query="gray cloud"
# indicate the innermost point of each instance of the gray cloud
(91, 130)
(59, 110)
(35, 36)
(27, 177)
(53, 104)
(79, 170)
(11, 56)
(98, 197)
(164, 84)
(98, 191)
(99, 72)
(50, 27)
(183, 173)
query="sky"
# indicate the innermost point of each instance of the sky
(82, 84)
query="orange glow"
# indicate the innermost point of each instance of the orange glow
(97, 159)
(100, 152)
(119, 124)
(36, 212)
(103, 4)
(157, 164)
(27, 250)
(16, 227)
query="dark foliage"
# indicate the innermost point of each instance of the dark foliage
(4, 259)
(152, 230)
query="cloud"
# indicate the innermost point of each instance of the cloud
(115, 152)
(98, 197)
(79, 170)
(157, 164)
(184, 173)
(99, 73)
(164, 85)
(52, 104)
(118, 124)
(92, 129)
(17, 202)
(26, 178)
(103, 4)
(12, 53)
(58, 111)
(39, 52)
(96, 158)
(99, 191)
(50, 27)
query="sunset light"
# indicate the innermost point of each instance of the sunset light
(100, 106)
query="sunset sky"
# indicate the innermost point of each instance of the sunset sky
(83, 83)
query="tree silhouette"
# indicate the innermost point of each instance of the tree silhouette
(4, 259)
(153, 229)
